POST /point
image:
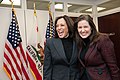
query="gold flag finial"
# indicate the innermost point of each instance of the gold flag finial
(11, 3)
(49, 8)
(35, 9)
(49, 5)
(12, 6)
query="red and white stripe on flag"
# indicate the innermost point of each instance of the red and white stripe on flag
(15, 60)
(34, 62)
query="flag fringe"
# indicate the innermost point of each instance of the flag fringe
(7, 73)
(33, 74)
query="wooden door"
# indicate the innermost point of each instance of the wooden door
(111, 24)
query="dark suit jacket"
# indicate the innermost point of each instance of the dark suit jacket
(56, 65)
(100, 60)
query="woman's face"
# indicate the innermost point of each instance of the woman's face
(62, 28)
(84, 29)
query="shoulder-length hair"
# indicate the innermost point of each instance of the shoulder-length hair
(70, 25)
(93, 34)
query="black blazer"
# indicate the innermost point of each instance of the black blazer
(56, 65)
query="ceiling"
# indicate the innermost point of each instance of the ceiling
(110, 4)
(78, 6)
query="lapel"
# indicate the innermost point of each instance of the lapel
(74, 53)
(80, 59)
(89, 51)
(60, 49)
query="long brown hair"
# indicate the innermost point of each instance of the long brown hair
(93, 34)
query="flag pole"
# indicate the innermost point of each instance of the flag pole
(12, 6)
(34, 6)
(50, 16)
(14, 12)
(35, 14)
(49, 6)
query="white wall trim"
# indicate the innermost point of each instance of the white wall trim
(112, 11)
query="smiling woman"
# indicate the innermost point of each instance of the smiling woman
(60, 60)
(96, 55)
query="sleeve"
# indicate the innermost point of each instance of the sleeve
(47, 67)
(108, 54)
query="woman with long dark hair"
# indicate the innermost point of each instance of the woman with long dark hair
(60, 62)
(96, 51)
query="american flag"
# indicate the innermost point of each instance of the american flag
(15, 61)
(50, 27)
